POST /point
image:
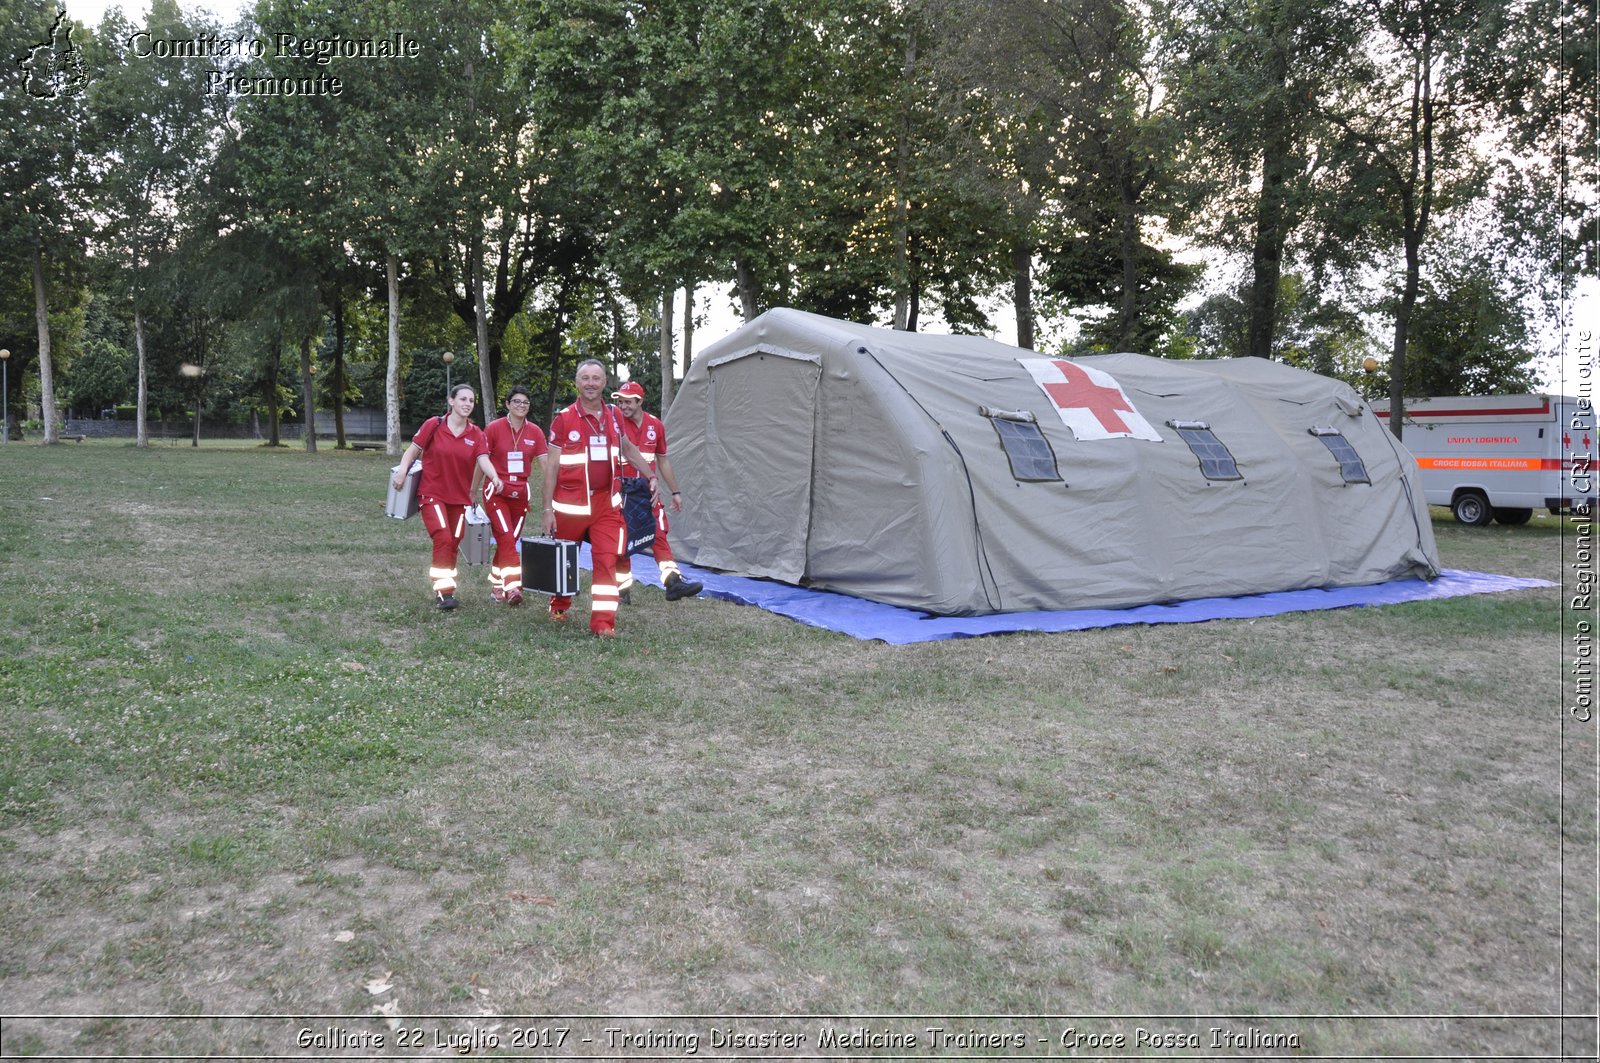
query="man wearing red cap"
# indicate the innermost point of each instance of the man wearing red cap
(583, 493)
(647, 433)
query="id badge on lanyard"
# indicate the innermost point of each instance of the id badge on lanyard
(514, 464)
(599, 448)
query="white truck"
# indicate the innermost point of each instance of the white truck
(1500, 457)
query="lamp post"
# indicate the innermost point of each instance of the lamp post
(448, 358)
(190, 371)
(5, 397)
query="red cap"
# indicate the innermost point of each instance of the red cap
(632, 389)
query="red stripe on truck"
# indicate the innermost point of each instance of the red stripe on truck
(1503, 464)
(1545, 408)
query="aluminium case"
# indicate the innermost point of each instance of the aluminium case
(477, 544)
(404, 503)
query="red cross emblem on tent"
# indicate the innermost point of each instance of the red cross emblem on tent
(1089, 401)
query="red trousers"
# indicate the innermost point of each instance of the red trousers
(608, 535)
(507, 510)
(445, 522)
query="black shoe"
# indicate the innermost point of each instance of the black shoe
(678, 587)
(624, 597)
(447, 601)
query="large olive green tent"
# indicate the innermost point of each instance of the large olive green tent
(960, 476)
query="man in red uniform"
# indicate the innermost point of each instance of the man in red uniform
(647, 433)
(583, 494)
(514, 443)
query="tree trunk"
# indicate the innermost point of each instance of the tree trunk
(1416, 204)
(1402, 329)
(47, 381)
(308, 392)
(141, 435)
(903, 312)
(557, 334)
(553, 372)
(914, 286)
(1128, 327)
(666, 348)
(671, 372)
(391, 381)
(619, 336)
(902, 282)
(785, 286)
(481, 314)
(1266, 257)
(1022, 292)
(199, 400)
(274, 415)
(339, 382)
(688, 338)
(748, 303)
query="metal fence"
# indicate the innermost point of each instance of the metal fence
(359, 424)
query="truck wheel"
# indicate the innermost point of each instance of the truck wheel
(1472, 509)
(1512, 516)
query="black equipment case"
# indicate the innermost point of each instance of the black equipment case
(549, 566)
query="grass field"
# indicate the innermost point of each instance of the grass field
(254, 783)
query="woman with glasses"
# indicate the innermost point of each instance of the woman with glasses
(450, 447)
(514, 444)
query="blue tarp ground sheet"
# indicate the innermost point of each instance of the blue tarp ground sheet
(862, 619)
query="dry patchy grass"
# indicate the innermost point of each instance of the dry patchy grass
(251, 772)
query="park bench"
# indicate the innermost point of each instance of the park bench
(76, 437)
(366, 444)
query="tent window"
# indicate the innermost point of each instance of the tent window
(1351, 467)
(1216, 463)
(1026, 447)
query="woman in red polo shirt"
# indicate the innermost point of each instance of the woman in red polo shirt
(449, 447)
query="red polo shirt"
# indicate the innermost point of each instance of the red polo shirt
(448, 460)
